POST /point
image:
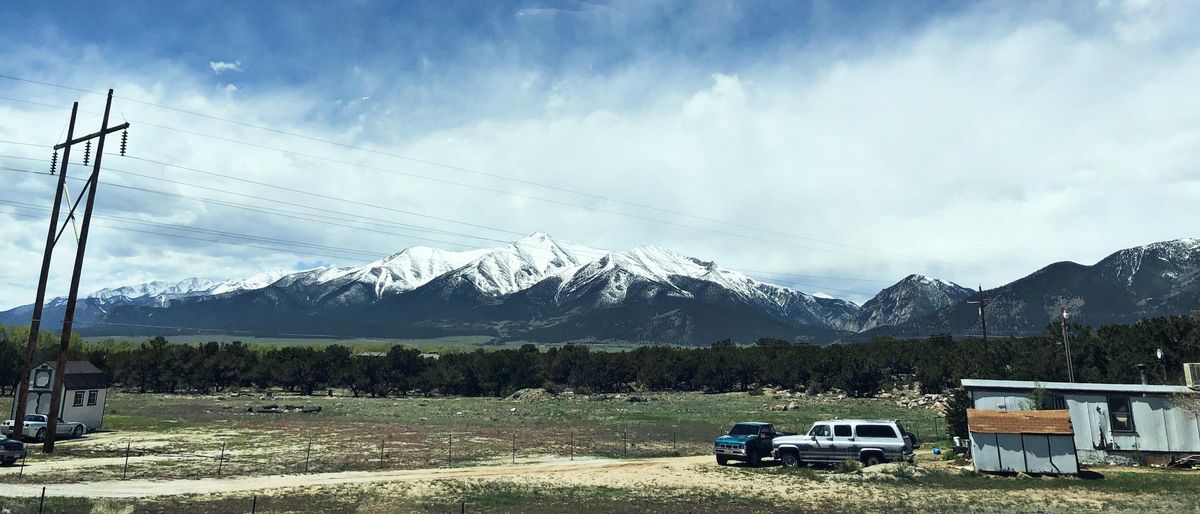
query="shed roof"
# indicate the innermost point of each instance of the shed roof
(1054, 422)
(81, 375)
(1025, 385)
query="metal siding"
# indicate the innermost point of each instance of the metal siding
(1086, 422)
(1062, 455)
(1150, 424)
(1037, 453)
(1000, 400)
(1012, 457)
(1183, 429)
(984, 452)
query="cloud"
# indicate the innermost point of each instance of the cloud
(994, 139)
(228, 89)
(220, 67)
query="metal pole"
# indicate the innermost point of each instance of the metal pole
(73, 295)
(450, 452)
(514, 448)
(254, 505)
(1062, 318)
(307, 454)
(21, 472)
(625, 442)
(42, 502)
(674, 449)
(35, 323)
(572, 445)
(221, 461)
(381, 453)
(125, 471)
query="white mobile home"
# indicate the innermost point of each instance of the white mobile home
(85, 390)
(1126, 420)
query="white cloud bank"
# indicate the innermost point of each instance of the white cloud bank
(995, 142)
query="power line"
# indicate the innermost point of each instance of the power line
(492, 175)
(242, 206)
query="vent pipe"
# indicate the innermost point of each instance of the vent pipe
(1142, 371)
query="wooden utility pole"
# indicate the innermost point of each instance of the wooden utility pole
(56, 394)
(1062, 321)
(982, 319)
(35, 324)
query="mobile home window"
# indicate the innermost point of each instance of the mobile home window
(92, 397)
(78, 399)
(1120, 414)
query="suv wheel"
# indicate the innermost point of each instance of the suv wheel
(78, 432)
(790, 459)
(41, 435)
(722, 460)
(872, 459)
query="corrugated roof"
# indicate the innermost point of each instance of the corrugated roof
(1055, 422)
(972, 383)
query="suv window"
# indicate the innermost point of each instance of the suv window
(819, 431)
(841, 430)
(877, 431)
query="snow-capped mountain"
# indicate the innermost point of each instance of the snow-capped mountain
(535, 284)
(539, 288)
(1127, 286)
(913, 297)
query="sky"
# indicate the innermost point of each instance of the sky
(833, 147)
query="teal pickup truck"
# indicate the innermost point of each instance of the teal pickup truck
(747, 442)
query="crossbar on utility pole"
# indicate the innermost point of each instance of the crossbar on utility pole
(56, 393)
(35, 324)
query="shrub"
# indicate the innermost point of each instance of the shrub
(848, 466)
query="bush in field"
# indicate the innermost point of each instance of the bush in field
(848, 466)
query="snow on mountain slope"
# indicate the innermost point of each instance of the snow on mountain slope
(520, 265)
(910, 298)
(155, 288)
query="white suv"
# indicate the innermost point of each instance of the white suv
(871, 441)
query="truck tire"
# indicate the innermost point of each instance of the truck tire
(41, 435)
(8, 461)
(722, 460)
(872, 459)
(789, 459)
(753, 459)
(78, 432)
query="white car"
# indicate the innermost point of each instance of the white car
(871, 441)
(35, 428)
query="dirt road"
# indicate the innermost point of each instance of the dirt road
(559, 470)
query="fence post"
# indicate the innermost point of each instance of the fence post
(21, 472)
(381, 452)
(625, 441)
(42, 502)
(514, 448)
(221, 461)
(572, 445)
(254, 505)
(450, 452)
(674, 448)
(307, 454)
(125, 470)
(462, 506)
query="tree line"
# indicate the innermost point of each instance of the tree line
(1109, 354)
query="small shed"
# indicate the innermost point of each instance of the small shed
(85, 392)
(1033, 441)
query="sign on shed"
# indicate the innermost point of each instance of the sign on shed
(1029, 441)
